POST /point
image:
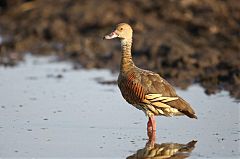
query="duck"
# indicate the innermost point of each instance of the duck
(144, 89)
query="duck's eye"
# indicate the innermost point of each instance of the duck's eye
(121, 28)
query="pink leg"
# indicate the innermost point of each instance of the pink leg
(151, 125)
(151, 139)
(154, 128)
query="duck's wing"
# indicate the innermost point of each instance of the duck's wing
(161, 94)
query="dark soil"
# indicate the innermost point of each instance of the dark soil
(186, 41)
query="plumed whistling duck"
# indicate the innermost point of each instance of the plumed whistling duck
(144, 89)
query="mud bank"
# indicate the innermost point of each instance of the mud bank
(186, 41)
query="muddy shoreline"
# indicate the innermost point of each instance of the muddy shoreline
(186, 41)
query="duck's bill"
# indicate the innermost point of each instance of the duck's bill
(111, 36)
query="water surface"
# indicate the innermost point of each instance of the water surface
(47, 109)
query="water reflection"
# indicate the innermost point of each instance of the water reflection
(164, 150)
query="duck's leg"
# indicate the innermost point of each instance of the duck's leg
(151, 125)
(151, 139)
(154, 127)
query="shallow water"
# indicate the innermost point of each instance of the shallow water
(48, 109)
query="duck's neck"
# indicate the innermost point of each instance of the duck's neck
(126, 61)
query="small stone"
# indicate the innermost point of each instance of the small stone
(59, 76)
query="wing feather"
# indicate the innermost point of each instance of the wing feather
(162, 94)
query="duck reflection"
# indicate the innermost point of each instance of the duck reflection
(164, 150)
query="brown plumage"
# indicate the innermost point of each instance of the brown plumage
(146, 90)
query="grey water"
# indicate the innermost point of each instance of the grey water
(49, 110)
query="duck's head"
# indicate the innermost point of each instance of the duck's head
(122, 31)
